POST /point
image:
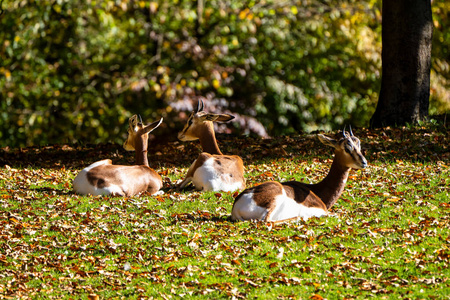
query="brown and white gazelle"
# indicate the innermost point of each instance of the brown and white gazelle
(104, 178)
(211, 171)
(274, 201)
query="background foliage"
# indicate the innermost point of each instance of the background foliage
(75, 71)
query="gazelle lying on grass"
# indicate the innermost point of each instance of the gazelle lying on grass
(274, 201)
(211, 171)
(104, 178)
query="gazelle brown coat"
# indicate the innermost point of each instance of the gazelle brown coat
(275, 201)
(104, 178)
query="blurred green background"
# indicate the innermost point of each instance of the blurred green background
(75, 71)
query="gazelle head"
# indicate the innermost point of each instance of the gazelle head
(138, 132)
(347, 149)
(199, 121)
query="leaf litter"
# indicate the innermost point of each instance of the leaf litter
(390, 233)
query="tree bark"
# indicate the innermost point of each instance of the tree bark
(407, 31)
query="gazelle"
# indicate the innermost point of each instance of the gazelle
(211, 171)
(274, 201)
(104, 178)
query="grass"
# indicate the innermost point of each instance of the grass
(388, 240)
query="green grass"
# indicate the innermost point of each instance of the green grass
(388, 240)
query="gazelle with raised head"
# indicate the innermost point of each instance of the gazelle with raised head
(274, 201)
(211, 171)
(104, 178)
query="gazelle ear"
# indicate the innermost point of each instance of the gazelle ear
(209, 117)
(217, 117)
(152, 126)
(328, 141)
(224, 118)
(133, 121)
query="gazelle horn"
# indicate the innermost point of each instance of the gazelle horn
(200, 105)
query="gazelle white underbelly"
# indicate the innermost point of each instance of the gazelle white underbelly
(207, 178)
(284, 208)
(81, 184)
(247, 209)
(287, 207)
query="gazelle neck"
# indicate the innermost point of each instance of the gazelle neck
(208, 140)
(141, 151)
(332, 186)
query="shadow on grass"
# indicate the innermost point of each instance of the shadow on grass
(201, 219)
(389, 144)
(53, 191)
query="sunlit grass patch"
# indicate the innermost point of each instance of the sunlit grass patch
(388, 237)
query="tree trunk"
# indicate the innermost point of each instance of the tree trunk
(407, 30)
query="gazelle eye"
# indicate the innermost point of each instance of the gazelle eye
(349, 151)
(190, 120)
